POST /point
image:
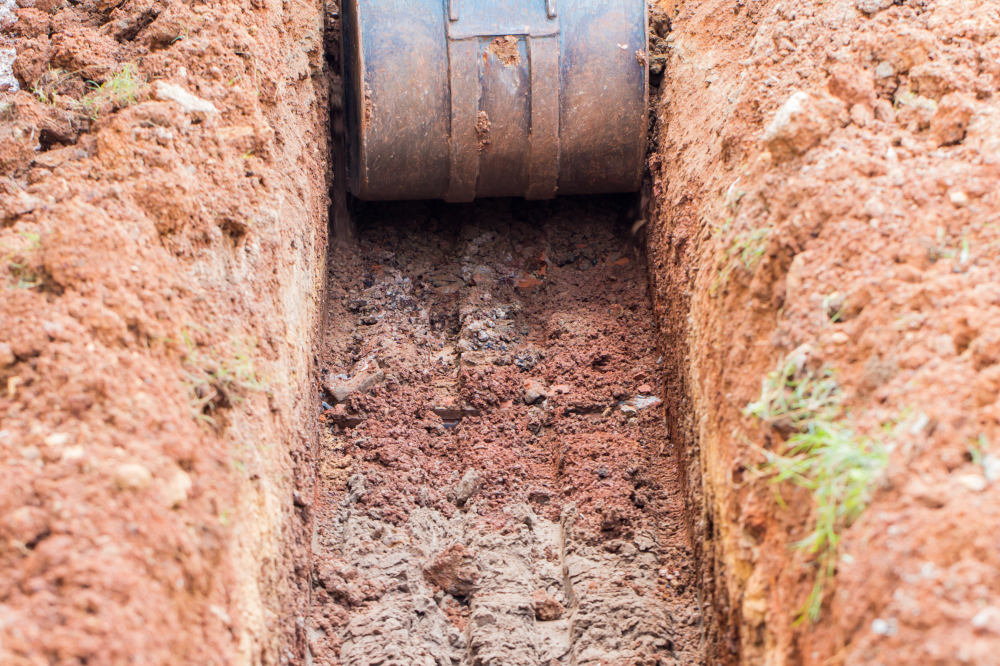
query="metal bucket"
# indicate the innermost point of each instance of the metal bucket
(458, 99)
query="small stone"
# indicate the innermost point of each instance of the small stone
(546, 607)
(802, 122)
(356, 488)
(986, 390)
(482, 276)
(603, 473)
(875, 207)
(839, 338)
(793, 281)
(562, 388)
(645, 388)
(930, 497)
(872, 6)
(951, 120)
(852, 84)
(975, 482)
(175, 491)
(467, 487)
(31, 453)
(884, 70)
(991, 468)
(189, 103)
(72, 453)
(629, 410)
(132, 476)
(57, 439)
(959, 199)
(366, 375)
(522, 513)
(987, 620)
(880, 627)
(534, 391)
(862, 115)
(528, 284)
(25, 524)
(884, 112)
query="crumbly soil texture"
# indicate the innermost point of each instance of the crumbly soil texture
(162, 256)
(496, 485)
(826, 215)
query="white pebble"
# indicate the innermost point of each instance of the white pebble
(880, 627)
(974, 482)
(991, 467)
(57, 439)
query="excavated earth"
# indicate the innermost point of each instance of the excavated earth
(500, 433)
(496, 486)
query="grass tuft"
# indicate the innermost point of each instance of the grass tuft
(840, 470)
(21, 276)
(744, 252)
(793, 396)
(838, 467)
(120, 89)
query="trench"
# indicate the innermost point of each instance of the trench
(495, 484)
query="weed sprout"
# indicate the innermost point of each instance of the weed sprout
(838, 467)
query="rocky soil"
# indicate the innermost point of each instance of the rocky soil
(496, 487)
(826, 195)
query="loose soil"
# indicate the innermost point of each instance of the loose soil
(496, 486)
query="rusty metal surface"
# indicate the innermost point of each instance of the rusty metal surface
(458, 99)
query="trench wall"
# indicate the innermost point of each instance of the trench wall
(820, 167)
(163, 235)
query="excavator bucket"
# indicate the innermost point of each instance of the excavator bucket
(458, 99)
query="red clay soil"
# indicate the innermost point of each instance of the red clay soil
(827, 176)
(495, 362)
(162, 234)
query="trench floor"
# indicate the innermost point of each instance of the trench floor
(495, 482)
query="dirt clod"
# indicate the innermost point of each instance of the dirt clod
(467, 487)
(132, 476)
(546, 607)
(534, 391)
(505, 49)
(454, 570)
(483, 128)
